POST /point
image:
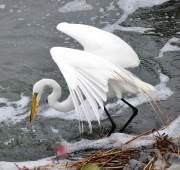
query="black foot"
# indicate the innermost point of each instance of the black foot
(112, 123)
(135, 111)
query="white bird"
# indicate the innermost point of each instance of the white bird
(92, 74)
(102, 43)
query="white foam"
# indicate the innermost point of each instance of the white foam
(54, 130)
(111, 6)
(118, 139)
(25, 130)
(163, 93)
(168, 47)
(93, 18)
(76, 5)
(105, 22)
(2, 6)
(101, 9)
(29, 164)
(111, 28)
(9, 141)
(13, 112)
(130, 6)
(21, 19)
(114, 141)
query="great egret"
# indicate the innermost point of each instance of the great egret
(102, 43)
(88, 76)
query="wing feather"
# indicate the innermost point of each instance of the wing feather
(76, 105)
(90, 78)
(102, 43)
(91, 101)
(97, 75)
(93, 92)
(88, 73)
(95, 88)
(84, 107)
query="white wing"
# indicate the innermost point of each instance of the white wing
(102, 43)
(88, 73)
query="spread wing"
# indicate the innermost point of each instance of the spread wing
(88, 74)
(102, 43)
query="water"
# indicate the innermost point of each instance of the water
(28, 31)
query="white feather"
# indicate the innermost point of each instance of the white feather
(102, 43)
(94, 73)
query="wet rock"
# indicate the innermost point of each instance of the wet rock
(134, 165)
(159, 164)
(172, 158)
(174, 167)
(171, 161)
(143, 157)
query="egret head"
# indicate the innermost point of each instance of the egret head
(37, 92)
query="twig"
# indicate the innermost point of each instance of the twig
(118, 167)
(108, 161)
(150, 162)
(17, 166)
(136, 137)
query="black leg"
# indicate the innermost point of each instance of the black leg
(112, 122)
(135, 111)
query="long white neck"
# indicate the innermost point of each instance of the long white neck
(66, 105)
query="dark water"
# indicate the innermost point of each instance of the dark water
(28, 31)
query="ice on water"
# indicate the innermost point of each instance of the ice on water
(2, 6)
(114, 141)
(115, 26)
(13, 111)
(169, 47)
(29, 164)
(130, 6)
(111, 6)
(54, 130)
(76, 5)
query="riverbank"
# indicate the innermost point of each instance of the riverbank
(163, 153)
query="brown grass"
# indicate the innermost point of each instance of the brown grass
(117, 158)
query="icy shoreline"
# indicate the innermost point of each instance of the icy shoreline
(114, 141)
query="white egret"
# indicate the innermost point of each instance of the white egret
(96, 74)
(102, 43)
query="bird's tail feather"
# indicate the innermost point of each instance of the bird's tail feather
(149, 92)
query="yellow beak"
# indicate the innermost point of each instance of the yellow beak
(33, 106)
